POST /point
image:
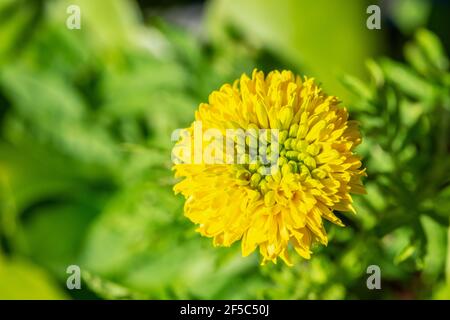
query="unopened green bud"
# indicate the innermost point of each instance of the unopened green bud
(310, 162)
(294, 166)
(262, 170)
(301, 145)
(253, 167)
(281, 161)
(282, 136)
(255, 179)
(292, 155)
(263, 186)
(304, 172)
(288, 143)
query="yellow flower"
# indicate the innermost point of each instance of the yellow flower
(317, 168)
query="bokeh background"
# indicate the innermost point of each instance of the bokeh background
(85, 123)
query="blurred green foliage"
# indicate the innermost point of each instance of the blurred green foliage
(85, 123)
(312, 36)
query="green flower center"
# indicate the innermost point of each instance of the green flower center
(295, 156)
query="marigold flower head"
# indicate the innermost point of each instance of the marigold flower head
(317, 168)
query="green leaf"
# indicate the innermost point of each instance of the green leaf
(436, 248)
(22, 280)
(357, 87)
(143, 243)
(416, 58)
(433, 49)
(408, 81)
(376, 72)
(406, 253)
(54, 112)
